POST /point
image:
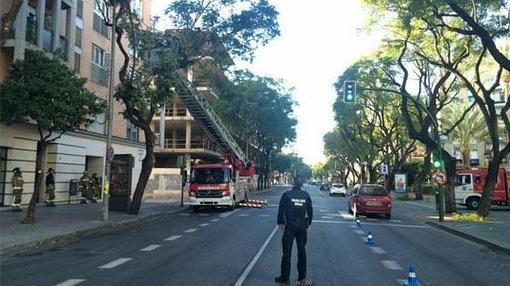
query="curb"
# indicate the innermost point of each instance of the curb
(28, 247)
(490, 245)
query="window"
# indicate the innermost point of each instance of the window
(131, 132)
(79, 9)
(100, 65)
(77, 62)
(78, 37)
(98, 23)
(98, 126)
(137, 7)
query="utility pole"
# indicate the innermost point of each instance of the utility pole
(109, 130)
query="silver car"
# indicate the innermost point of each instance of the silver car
(337, 189)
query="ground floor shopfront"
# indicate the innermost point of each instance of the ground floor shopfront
(69, 156)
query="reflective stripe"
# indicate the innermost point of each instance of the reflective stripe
(18, 188)
(412, 275)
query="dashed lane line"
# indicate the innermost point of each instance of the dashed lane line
(70, 282)
(173, 237)
(391, 265)
(327, 217)
(359, 231)
(206, 214)
(244, 215)
(184, 214)
(265, 215)
(151, 247)
(250, 266)
(203, 225)
(377, 250)
(115, 263)
(214, 220)
(225, 215)
(190, 230)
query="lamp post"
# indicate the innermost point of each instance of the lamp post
(109, 131)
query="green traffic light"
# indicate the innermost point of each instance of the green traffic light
(437, 164)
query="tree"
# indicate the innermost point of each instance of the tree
(201, 29)
(373, 122)
(45, 92)
(471, 128)
(260, 110)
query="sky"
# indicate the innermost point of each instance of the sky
(319, 40)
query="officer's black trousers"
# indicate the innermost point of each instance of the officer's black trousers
(292, 232)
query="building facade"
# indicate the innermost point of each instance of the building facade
(76, 30)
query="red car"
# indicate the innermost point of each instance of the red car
(370, 199)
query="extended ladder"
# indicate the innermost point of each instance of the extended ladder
(208, 120)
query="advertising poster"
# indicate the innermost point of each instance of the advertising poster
(400, 183)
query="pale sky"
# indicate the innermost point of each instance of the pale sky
(319, 40)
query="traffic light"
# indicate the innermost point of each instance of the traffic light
(438, 162)
(349, 91)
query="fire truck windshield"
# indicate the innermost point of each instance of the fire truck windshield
(210, 176)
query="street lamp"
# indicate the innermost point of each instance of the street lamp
(109, 130)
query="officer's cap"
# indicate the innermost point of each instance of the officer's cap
(16, 170)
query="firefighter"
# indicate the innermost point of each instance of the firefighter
(50, 188)
(17, 190)
(295, 214)
(96, 187)
(85, 186)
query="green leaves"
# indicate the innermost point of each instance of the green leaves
(44, 90)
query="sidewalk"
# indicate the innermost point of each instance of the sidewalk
(68, 222)
(493, 234)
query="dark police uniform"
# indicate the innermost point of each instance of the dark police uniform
(296, 213)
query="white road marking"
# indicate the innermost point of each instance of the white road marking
(70, 282)
(327, 217)
(390, 264)
(207, 214)
(185, 214)
(265, 215)
(422, 205)
(373, 224)
(323, 211)
(190, 230)
(173, 237)
(224, 215)
(214, 220)
(359, 231)
(347, 215)
(115, 263)
(395, 221)
(250, 266)
(151, 247)
(377, 250)
(203, 225)
(402, 282)
(372, 219)
(243, 214)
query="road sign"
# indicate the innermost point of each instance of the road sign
(439, 178)
(384, 169)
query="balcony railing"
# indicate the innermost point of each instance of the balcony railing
(194, 144)
(179, 112)
(99, 74)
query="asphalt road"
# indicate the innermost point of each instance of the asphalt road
(243, 247)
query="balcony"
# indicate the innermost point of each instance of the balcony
(197, 145)
(99, 74)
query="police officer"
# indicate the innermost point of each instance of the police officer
(85, 185)
(50, 188)
(17, 190)
(295, 214)
(96, 187)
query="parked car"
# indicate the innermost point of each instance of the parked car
(370, 199)
(337, 189)
(324, 187)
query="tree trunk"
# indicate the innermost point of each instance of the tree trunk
(422, 176)
(41, 150)
(449, 189)
(490, 183)
(147, 165)
(373, 174)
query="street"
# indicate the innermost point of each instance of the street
(243, 247)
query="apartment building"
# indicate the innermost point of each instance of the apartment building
(76, 30)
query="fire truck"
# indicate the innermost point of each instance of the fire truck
(469, 187)
(224, 183)
(221, 184)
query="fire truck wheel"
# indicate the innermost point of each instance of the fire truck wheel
(473, 203)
